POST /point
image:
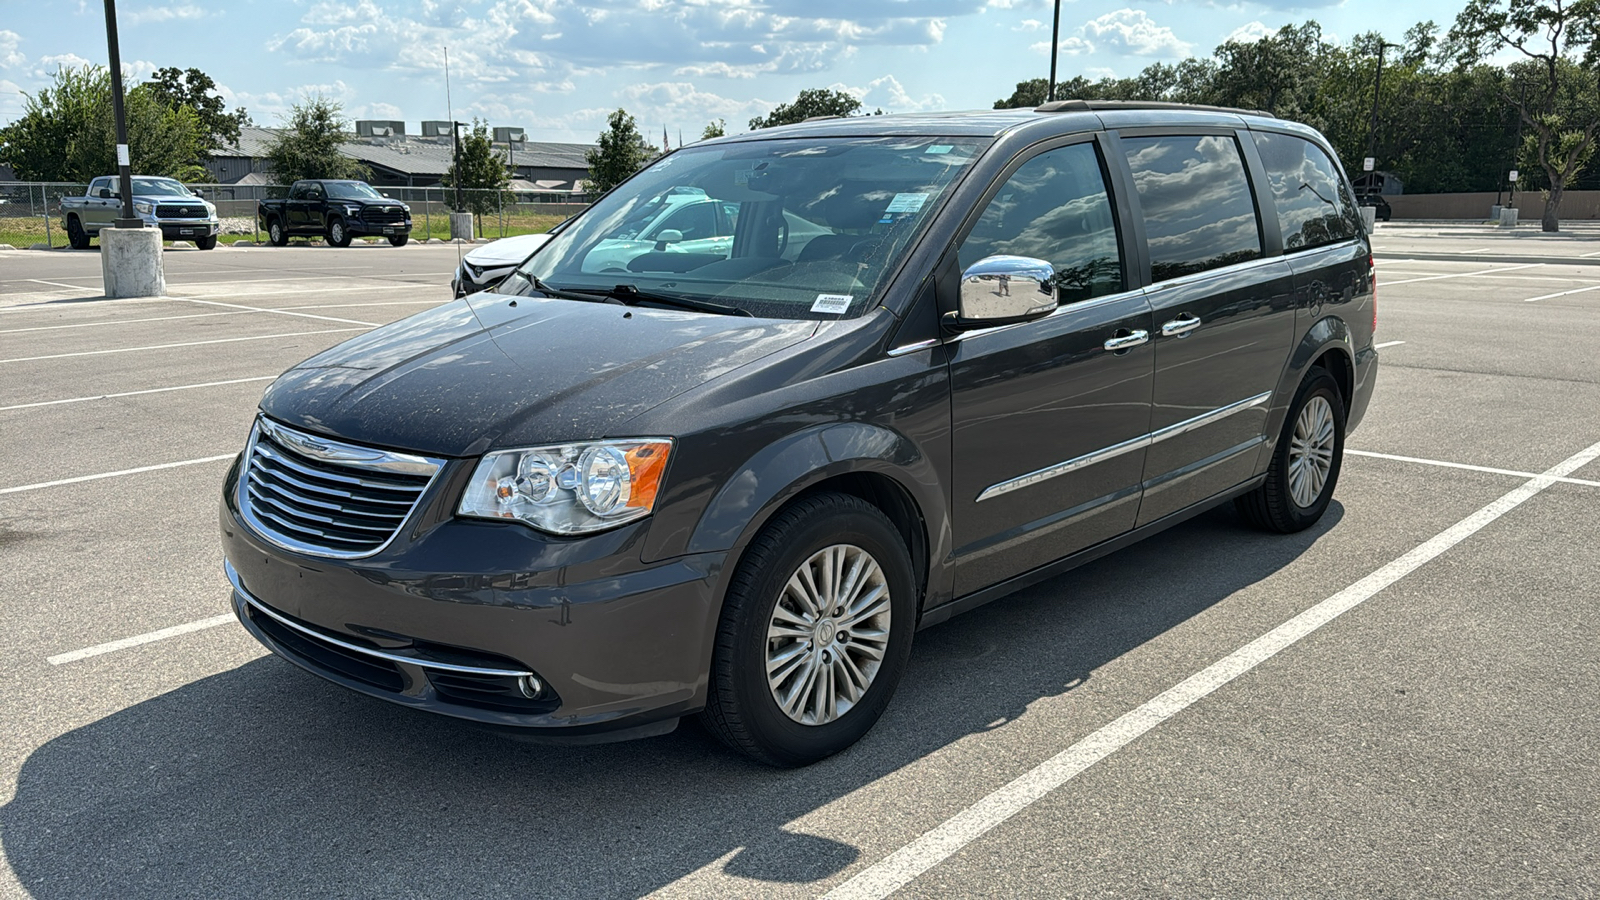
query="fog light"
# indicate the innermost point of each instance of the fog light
(530, 686)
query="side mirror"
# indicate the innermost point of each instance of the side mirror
(1002, 290)
(667, 236)
(105, 194)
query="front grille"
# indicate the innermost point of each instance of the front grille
(348, 503)
(181, 212)
(384, 215)
(367, 669)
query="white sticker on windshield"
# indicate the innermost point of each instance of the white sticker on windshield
(832, 303)
(907, 203)
(940, 148)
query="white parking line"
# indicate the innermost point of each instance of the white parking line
(893, 872)
(162, 390)
(259, 337)
(1455, 465)
(136, 640)
(281, 312)
(70, 287)
(1387, 344)
(1458, 275)
(1589, 255)
(1593, 287)
(117, 322)
(99, 475)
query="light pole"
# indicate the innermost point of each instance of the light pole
(1372, 129)
(1055, 40)
(130, 253)
(124, 170)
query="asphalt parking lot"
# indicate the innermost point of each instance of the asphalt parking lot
(1399, 702)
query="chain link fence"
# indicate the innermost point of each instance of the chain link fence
(30, 211)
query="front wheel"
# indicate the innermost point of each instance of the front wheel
(815, 632)
(338, 234)
(398, 240)
(1305, 465)
(276, 233)
(206, 243)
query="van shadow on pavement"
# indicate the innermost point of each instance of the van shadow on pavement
(265, 781)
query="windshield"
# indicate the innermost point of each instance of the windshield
(159, 187)
(794, 228)
(352, 190)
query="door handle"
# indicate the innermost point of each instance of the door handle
(1180, 326)
(1126, 341)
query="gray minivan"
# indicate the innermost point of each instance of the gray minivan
(734, 481)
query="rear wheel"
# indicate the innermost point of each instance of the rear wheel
(1305, 466)
(398, 240)
(338, 234)
(276, 233)
(815, 632)
(76, 236)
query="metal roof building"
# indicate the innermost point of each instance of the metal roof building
(409, 160)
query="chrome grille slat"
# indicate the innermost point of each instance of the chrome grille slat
(281, 456)
(346, 504)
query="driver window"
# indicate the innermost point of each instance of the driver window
(298, 192)
(1054, 208)
(697, 221)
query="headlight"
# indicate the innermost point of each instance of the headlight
(210, 210)
(352, 211)
(143, 208)
(569, 488)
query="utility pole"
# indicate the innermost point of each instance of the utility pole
(1372, 129)
(124, 172)
(455, 139)
(1516, 149)
(1055, 40)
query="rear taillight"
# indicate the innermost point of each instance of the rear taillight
(1372, 273)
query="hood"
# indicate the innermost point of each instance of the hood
(481, 374)
(509, 251)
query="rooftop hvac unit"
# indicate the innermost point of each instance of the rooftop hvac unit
(436, 129)
(379, 128)
(510, 136)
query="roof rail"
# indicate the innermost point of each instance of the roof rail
(820, 118)
(1108, 105)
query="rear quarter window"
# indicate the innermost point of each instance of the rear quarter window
(1313, 201)
(1199, 213)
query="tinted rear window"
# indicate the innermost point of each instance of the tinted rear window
(1198, 210)
(1313, 202)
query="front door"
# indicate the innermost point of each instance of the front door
(1047, 421)
(1224, 316)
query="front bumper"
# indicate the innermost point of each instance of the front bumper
(186, 229)
(448, 617)
(359, 228)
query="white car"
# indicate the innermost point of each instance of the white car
(488, 265)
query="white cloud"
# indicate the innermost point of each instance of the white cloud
(48, 64)
(886, 93)
(10, 100)
(1126, 32)
(1249, 33)
(10, 56)
(1028, 25)
(162, 14)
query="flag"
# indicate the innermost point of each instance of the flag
(664, 145)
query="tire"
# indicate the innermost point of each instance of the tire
(398, 240)
(1298, 490)
(206, 243)
(338, 234)
(742, 708)
(276, 233)
(76, 236)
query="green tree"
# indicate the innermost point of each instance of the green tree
(716, 129)
(194, 89)
(483, 174)
(309, 145)
(811, 103)
(67, 132)
(620, 151)
(1555, 93)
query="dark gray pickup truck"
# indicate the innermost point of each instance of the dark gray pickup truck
(336, 210)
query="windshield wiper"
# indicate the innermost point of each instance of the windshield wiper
(632, 296)
(585, 296)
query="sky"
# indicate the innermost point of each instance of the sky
(557, 68)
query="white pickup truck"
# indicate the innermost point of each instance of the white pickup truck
(164, 203)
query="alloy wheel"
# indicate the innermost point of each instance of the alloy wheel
(828, 634)
(1311, 451)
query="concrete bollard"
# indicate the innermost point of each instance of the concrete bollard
(460, 226)
(1508, 216)
(1369, 218)
(1494, 212)
(130, 262)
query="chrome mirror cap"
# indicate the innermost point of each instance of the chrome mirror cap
(1000, 290)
